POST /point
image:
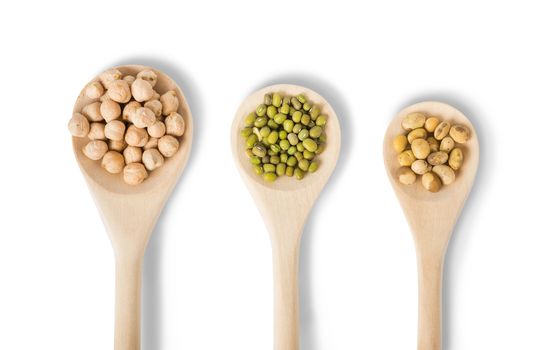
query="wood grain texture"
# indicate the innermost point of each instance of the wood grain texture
(284, 206)
(130, 212)
(432, 216)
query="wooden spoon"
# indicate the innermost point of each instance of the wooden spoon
(284, 206)
(432, 216)
(130, 212)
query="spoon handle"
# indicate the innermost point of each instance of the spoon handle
(286, 314)
(430, 280)
(127, 304)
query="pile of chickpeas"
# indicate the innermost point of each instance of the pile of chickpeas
(131, 128)
(429, 148)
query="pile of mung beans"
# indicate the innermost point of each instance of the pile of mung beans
(430, 148)
(284, 135)
(131, 127)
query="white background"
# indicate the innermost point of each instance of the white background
(207, 278)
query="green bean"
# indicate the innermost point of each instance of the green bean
(261, 110)
(288, 125)
(276, 100)
(302, 164)
(271, 111)
(284, 144)
(251, 140)
(259, 150)
(307, 106)
(299, 156)
(295, 103)
(303, 134)
(273, 137)
(250, 119)
(275, 160)
(321, 148)
(285, 109)
(301, 98)
(297, 128)
(283, 157)
(313, 167)
(280, 118)
(300, 147)
(297, 116)
(261, 121)
(271, 152)
(286, 100)
(292, 139)
(310, 145)
(272, 124)
(283, 135)
(258, 169)
(299, 173)
(246, 132)
(249, 152)
(315, 132)
(292, 161)
(280, 169)
(275, 148)
(322, 138)
(269, 177)
(269, 168)
(306, 119)
(321, 120)
(311, 124)
(308, 155)
(265, 132)
(267, 99)
(265, 160)
(290, 171)
(314, 112)
(291, 150)
(255, 160)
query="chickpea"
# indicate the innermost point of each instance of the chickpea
(78, 125)
(152, 143)
(142, 90)
(134, 173)
(110, 110)
(152, 159)
(105, 97)
(155, 106)
(170, 102)
(447, 144)
(132, 154)
(406, 158)
(438, 158)
(113, 162)
(399, 143)
(144, 117)
(149, 76)
(445, 173)
(456, 159)
(419, 133)
(94, 90)
(114, 130)
(431, 124)
(414, 121)
(97, 131)
(92, 112)
(459, 133)
(431, 182)
(406, 176)
(129, 110)
(95, 149)
(421, 148)
(168, 145)
(175, 125)
(129, 79)
(420, 167)
(157, 130)
(135, 136)
(118, 146)
(109, 76)
(442, 130)
(156, 96)
(119, 91)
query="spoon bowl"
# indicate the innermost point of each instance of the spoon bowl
(284, 206)
(432, 216)
(130, 212)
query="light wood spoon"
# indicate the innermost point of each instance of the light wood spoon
(284, 206)
(432, 216)
(130, 212)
